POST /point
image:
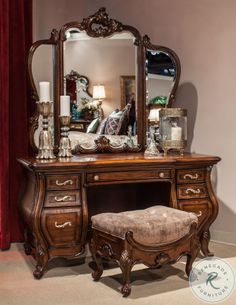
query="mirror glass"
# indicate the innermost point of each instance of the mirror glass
(42, 70)
(160, 79)
(100, 78)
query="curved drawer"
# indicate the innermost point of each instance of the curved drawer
(190, 176)
(62, 199)
(192, 191)
(63, 182)
(62, 227)
(202, 208)
(158, 174)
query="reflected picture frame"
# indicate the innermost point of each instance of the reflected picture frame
(127, 89)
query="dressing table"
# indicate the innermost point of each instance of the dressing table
(60, 195)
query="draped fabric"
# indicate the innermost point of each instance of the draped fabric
(15, 41)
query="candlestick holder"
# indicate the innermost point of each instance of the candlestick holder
(65, 144)
(45, 150)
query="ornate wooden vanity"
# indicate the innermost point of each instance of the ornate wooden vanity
(61, 195)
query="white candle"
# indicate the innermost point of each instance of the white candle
(176, 133)
(64, 105)
(44, 91)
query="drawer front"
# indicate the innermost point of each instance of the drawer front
(201, 208)
(131, 175)
(62, 227)
(191, 191)
(63, 182)
(62, 199)
(190, 176)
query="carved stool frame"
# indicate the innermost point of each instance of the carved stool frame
(128, 252)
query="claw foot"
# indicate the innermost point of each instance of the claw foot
(125, 290)
(97, 274)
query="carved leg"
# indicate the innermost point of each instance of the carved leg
(97, 273)
(205, 239)
(195, 248)
(28, 248)
(27, 245)
(42, 260)
(126, 265)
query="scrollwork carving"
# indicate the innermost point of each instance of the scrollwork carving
(102, 144)
(161, 259)
(100, 25)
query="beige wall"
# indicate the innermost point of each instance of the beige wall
(203, 35)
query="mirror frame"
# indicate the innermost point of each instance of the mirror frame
(99, 25)
(33, 122)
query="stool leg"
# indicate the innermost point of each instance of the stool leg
(195, 248)
(126, 265)
(97, 273)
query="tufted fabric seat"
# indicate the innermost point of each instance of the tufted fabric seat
(153, 226)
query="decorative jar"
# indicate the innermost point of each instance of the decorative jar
(173, 129)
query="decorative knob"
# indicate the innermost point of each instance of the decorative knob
(96, 178)
(161, 175)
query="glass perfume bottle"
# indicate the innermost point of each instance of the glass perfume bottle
(151, 150)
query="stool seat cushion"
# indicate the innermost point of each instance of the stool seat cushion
(153, 226)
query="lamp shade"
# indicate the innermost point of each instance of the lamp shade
(154, 115)
(98, 92)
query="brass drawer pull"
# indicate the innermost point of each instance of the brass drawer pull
(199, 214)
(67, 223)
(197, 191)
(64, 183)
(62, 199)
(96, 178)
(192, 177)
(161, 175)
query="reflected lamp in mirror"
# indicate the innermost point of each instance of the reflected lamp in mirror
(98, 95)
(173, 129)
(154, 115)
(99, 92)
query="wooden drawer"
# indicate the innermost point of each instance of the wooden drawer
(62, 199)
(190, 176)
(201, 208)
(191, 191)
(63, 182)
(129, 175)
(62, 227)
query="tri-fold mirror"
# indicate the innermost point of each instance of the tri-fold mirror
(116, 80)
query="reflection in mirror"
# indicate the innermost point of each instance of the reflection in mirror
(160, 77)
(100, 76)
(42, 70)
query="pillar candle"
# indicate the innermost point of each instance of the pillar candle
(44, 91)
(176, 133)
(64, 105)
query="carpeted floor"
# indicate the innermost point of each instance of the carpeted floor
(73, 285)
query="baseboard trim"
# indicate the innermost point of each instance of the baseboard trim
(228, 238)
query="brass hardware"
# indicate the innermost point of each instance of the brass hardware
(161, 175)
(193, 177)
(199, 214)
(62, 199)
(96, 178)
(67, 223)
(197, 191)
(64, 183)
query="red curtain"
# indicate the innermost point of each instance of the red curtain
(15, 41)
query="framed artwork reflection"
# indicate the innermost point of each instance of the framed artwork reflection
(127, 89)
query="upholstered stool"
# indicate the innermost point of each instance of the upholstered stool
(154, 236)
